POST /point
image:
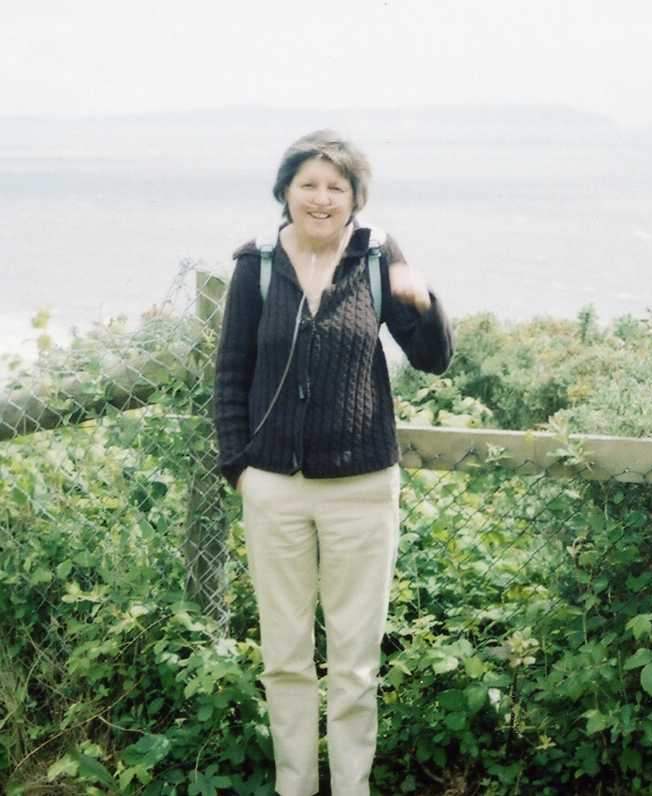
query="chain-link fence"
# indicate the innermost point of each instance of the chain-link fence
(124, 425)
(512, 543)
(515, 539)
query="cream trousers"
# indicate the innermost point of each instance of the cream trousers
(335, 538)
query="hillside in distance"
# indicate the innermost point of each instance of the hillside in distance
(200, 132)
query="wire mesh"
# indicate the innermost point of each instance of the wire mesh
(522, 543)
(109, 494)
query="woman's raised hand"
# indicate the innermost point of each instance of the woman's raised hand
(408, 286)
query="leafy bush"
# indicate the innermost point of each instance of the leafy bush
(519, 646)
(518, 669)
(518, 657)
(594, 380)
(104, 659)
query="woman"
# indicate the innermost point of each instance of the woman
(316, 461)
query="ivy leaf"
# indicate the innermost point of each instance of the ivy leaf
(630, 760)
(64, 569)
(640, 658)
(455, 721)
(139, 772)
(452, 700)
(148, 751)
(395, 677)
(201, 786)
(40, 575)
(397, 672)
(476, 697)
(444, 663)
(596, 721)
(19, 496)
(587, 757)
(639, 583)
(640, 625)
(474, 667)
(158, 489)
(65, 765)
(92, 769)
(646, 678)
(183, 618)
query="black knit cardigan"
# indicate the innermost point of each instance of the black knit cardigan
(335, 415)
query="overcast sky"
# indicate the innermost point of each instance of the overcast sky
(95, 57)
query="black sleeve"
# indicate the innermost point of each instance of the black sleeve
(425, 338)
(236, 362)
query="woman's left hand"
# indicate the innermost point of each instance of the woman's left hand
(408, 286)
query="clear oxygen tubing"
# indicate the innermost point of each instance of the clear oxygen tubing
(272, 403)
(286, 370)
(293, 345)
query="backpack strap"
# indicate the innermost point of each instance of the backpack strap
(266, 250)
(373, 264)
(376, 239)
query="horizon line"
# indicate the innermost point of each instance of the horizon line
(266, 108)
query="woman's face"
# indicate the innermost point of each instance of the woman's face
(320, 201)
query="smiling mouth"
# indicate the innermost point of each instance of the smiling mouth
(319, 216)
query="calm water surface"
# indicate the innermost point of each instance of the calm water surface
(517, 231)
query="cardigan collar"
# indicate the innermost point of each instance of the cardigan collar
(358, 242)
(356, 247)
(355, 250)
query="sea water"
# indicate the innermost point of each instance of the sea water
(518, 230)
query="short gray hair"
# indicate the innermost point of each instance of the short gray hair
(328, 145)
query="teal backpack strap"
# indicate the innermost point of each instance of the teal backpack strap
(373, 263)
(266, 254)
(376, 239)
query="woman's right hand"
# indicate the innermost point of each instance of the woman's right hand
(408, 286)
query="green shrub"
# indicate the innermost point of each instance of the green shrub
(518, 657)
(528, 374)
